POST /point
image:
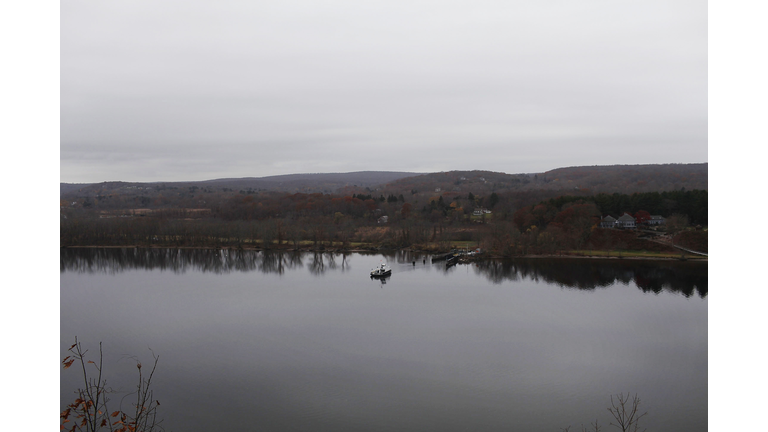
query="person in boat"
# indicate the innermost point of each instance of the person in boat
(380, 271)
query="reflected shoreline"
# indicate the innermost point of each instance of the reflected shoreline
(388, 252)
(651, 276)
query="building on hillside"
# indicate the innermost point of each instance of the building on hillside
(656, 220)
(480, 211)
(608, 222)
(383, 219)
(626, 221)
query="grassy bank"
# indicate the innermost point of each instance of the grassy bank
(634, 254)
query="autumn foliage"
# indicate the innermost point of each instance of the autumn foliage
(507, 215)
(89, 411)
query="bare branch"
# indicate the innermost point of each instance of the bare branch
(90, 409)
(625, 415)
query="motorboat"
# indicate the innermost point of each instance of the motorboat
(381, 271)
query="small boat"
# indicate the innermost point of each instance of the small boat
(381, 271)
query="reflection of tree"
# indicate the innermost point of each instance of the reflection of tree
(317, 266)
(331, 261)
(683, 277)
(345, 258)
(497, 271)
(566, 273)
(178, 260)
(273, 262)
(295, 259)
(686, 277)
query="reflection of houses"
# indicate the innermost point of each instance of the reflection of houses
(480, 211)
(608, 222)
(626, 221)
(656, 220)
(383, 219)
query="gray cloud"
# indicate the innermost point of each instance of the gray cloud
(198, 90)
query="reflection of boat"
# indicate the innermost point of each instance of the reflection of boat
(381, 271)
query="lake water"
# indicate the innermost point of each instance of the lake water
(308, 342)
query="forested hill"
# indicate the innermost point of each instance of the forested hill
(625, 179)
(66, 188)
(326, 183)
(630, 178)
(290, 183)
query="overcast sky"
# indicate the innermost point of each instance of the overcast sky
(193, 90)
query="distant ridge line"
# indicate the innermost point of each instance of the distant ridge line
(596, 178)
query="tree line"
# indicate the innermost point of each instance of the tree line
(691, 203)
(518, 222)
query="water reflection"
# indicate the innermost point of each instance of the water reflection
(114, 260)
(380, 281)
(406, 256)
(687, 278)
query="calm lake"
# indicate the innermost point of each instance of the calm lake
(308, 342)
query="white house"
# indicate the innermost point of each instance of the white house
(626, 221)
(608, 222)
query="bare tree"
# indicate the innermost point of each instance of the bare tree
(595, 427)
(89, 412)
(677, 222)
(625, 411)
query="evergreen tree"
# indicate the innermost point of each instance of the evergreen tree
(493, 200)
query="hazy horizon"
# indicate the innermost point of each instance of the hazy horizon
(365, 171)
(178, 91)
